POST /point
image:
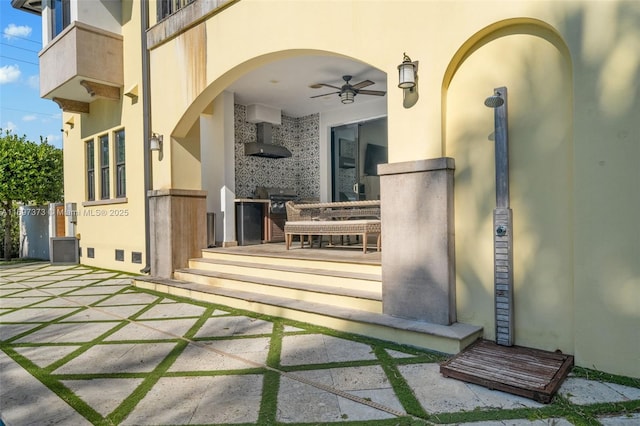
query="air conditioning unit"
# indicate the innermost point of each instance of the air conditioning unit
(64, 250)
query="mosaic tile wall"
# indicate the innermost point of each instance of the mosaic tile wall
(301, 171)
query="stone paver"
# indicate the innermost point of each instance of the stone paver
(200, 400)
(118, 358)
(632, 419)
(223, 355)
(103, 395)
(174, 310)
(153, 330)
(234, 326)
(582, 391)
(438, 394)
(320, 349)
(44, 356)
(68, 333)
(20, 393)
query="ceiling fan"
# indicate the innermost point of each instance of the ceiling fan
(348, 91)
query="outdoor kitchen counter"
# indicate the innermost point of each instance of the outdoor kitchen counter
(251, 200)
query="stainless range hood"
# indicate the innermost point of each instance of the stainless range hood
(264, 147)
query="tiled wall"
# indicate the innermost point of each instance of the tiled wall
(301, 171)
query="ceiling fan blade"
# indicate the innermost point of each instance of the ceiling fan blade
(362, 84)
(324, 94)
(371, 92)
(327, 85)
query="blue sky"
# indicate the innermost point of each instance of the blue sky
(21, 108)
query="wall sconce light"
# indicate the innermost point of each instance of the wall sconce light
(408, 81)
(407, 71)
(347, 96)
(155, 143)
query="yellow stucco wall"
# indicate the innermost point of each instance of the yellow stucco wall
(540, 131)
(572, 70)
(564, 171)
(108, 226)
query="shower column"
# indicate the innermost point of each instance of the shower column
(502, 224)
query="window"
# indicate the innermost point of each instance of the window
(121, 177)
(167, 7)
(91, 179)
(104, 167)
(60, 16)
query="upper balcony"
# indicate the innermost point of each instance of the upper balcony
(80, 64)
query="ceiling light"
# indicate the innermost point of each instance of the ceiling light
(347, 96)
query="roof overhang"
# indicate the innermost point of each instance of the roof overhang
(31, 6)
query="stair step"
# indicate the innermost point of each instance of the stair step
(368, 300)
(335, 279)
(446, 339)
(289, 259)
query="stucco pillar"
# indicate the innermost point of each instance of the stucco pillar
(418, 252)
(178, 228)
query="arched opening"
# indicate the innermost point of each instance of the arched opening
(531, 59)
(299, 90)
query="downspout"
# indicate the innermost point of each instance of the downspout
(146, 131)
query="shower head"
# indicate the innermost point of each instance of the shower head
(494, 101)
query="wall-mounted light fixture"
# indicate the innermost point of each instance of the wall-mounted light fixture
(408, 81)
(155, 143)
(407, 71)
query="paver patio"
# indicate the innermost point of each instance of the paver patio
(80, 346)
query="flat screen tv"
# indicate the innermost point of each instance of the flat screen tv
(374, 155)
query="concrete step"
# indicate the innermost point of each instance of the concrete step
(286, 287)
(447, 339)
(371, 283)
(289, 259)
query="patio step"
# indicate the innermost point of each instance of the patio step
(259, 255)
(287, 283)
(446, 339)
(312, 274)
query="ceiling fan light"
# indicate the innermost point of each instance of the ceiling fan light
(407, 73)
(347, 97)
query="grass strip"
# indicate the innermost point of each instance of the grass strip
(126, 407)
(57, 387)
(400, 386)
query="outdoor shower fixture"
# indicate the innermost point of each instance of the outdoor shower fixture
(502, 224)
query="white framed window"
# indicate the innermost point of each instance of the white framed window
(105, 182)
(120, 163)
(90, 168)
(60, 16)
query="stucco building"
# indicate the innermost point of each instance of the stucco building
(190, 75)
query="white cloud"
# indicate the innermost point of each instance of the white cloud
(29, 118)
(13, 30)
(9, 74)
(11, 126)
(34, 82)
(54, 140)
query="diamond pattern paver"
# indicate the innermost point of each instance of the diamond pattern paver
(218, 377)
(200, 400)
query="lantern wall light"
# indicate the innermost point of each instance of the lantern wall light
(408, 81)
(155, 143)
